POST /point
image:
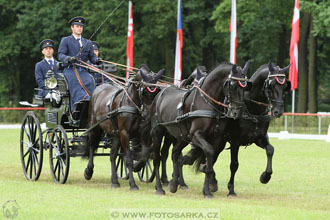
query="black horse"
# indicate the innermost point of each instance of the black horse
(192, 80)
(198, 116)
(269, 86)
(123, 108)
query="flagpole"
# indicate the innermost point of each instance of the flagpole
(233, 32)
(292, 110)
(293, 72)
(178, 47)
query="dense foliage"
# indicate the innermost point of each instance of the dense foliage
(264, 29)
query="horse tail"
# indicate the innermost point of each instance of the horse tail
(195, 157)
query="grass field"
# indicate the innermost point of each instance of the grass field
(299, 188)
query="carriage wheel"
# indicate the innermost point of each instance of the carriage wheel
(31, 146)
(146, 173)
(122, 171)
(59, 157)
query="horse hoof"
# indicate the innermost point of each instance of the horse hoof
(115, 185)
(231, 195)
(88, 174)
(264, 178)
(160, 192)
(213, 187)
(184, 187)
(134, 188)
(173, 187)
(208, 196)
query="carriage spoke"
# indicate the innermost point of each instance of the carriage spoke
(28, 163)
(27, 135)
(56, 166)
(36, 159)
(147, 172)
(31, 168)
(34, 164)
(27, 152)
(62, 168)
(122, 167)
(59, 171)
(62, 161)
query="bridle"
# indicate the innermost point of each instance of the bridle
(271, 79)
(242, 82)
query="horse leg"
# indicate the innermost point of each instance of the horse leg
(92, 143)
(267, 174)
(113, 155)
(199, 140)
(183, 185)
(156, 144)
(233, 168)
(124, 137)
(176, 153)
(164, 155)
(213, 181)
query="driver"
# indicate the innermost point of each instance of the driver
(72, 49)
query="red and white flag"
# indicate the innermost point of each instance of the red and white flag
(130, 41)
(293, 73)
(233, 32)
(178, 49)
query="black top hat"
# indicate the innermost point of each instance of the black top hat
(95, 45)
(46, 43)
(77, 20)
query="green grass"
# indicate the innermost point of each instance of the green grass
(299, 188)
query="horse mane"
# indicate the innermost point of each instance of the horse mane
(221, 64)
(261, 70)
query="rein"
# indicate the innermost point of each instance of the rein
(209, 97)
(129, 97)
(259, 103)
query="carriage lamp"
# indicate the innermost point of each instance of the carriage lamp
(50, 80)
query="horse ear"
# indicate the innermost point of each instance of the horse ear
(146, 77)
(286, 69)
(234, 68)
(198, 74)
(270, 67)
(159, 74)
(246, 67)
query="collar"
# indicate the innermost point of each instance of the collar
(77, 37)
(50, 59)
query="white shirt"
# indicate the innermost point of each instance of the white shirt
(49, 60)
(77, 39)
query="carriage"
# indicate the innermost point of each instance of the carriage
(64, 134)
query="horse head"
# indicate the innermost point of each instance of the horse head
(148, 88)
(198, 73)
(234, 88)
(275, 88)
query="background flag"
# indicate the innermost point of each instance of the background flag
(293, 73)
(233, 32)
(130, 41)
(178, 50)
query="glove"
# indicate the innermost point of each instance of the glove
(72, 59)
(99, 61)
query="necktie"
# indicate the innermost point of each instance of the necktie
(51, 64)
(79, 40)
